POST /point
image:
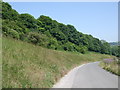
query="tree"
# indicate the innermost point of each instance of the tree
(58, 35)
(28, 20)
(105, 47)
(45, 20)
(8, 12)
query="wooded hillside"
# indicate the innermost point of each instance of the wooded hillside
(49, 33)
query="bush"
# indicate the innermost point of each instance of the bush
(53, 44)
(81, 49)
(69, 46)
(38, 39)
(14, 34)
(5, 30)
(34, 37)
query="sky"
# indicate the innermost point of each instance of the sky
(99, 19)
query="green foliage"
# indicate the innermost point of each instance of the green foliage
(105, 48)
(53, 44)
(34, 37)
(119, 51)
(49, 33)
(37, 39)
(28, 20)
(115, 50)
(14, 34)
(45, 20)
(69, 46)
(81, 49)
(58, 35)
(40, 29)
(8, 12)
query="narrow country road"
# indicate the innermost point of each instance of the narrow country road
(90, 75)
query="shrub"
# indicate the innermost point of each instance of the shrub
(5, 30)
(38, 39)
(34, 37)
(14, 34)
(69, 46)
(53, 44)
(81, 49)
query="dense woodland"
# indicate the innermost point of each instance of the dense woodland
(49, 33)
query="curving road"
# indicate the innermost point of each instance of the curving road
(88, 76)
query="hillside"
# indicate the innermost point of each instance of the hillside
(26, 65)
(113, 43)
(48, 33)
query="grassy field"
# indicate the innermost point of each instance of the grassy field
(111, 66)
(26, 65)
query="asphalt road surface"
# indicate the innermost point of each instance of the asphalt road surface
(90, 75)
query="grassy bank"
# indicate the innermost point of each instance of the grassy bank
(26, 65)
(111, 66)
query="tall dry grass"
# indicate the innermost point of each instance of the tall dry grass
(26, 65)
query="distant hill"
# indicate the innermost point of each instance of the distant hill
(114, 43)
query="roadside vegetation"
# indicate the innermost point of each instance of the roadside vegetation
(26, 65)
(112, 65)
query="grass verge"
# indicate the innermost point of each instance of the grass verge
(28, 66)
(111, 66)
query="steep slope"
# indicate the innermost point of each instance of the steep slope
(25, 65)
(48, 33)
